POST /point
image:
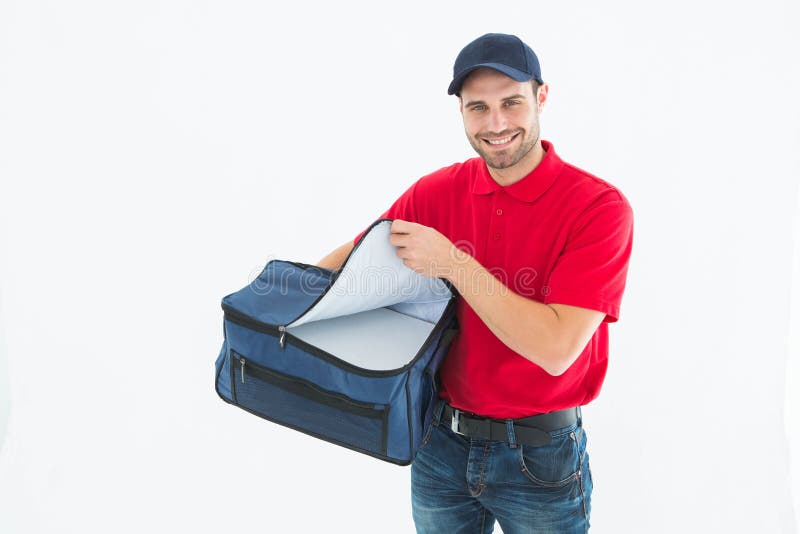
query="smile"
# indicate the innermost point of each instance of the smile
(502, 141)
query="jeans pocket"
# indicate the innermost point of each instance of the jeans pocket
(553, 465)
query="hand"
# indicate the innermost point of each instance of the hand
(424, 249)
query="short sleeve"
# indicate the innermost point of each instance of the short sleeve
(591, 270)
(403, 208)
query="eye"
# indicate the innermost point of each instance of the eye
(478, 107)
(511, 102)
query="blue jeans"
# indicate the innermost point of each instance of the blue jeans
(461, 485)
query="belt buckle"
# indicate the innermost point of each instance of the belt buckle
(454, 422)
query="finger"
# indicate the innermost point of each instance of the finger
(398, 240)
(400, 226)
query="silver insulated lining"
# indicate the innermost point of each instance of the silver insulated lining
(378, 312)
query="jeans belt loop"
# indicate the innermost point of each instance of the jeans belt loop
(512, 439)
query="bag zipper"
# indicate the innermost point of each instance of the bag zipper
(335, 274)
(316, 393)
(283, 335)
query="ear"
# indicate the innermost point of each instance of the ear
(460, 105)
(541, 96)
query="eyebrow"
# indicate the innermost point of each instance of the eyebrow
(512, 97)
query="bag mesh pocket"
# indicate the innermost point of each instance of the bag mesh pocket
(304, 406)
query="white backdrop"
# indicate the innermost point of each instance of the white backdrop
(155, 154)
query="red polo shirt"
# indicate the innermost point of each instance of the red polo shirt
(558, 235)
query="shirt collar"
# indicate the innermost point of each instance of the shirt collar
(531, 186)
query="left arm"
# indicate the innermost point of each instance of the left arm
(550, 335)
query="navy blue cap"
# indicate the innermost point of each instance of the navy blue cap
(498, 51)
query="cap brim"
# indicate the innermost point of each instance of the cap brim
(518, 75)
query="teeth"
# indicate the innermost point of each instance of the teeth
(500, 141)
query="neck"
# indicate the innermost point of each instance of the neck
(520, 169)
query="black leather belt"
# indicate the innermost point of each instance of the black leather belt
(533, 430)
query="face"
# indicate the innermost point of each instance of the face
(501, 117)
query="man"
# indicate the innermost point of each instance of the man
(538, 251)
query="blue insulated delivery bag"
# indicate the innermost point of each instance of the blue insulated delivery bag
(348, 356)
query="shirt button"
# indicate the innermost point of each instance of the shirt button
(497, 236)
(499, 212)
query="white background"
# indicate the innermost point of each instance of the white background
(155, 154)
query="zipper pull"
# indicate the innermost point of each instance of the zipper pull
(282, 340)
(243, 361)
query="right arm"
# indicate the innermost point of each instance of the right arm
(335, 259)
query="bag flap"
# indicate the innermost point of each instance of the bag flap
(372, 277)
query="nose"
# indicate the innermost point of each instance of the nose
(497, 121)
